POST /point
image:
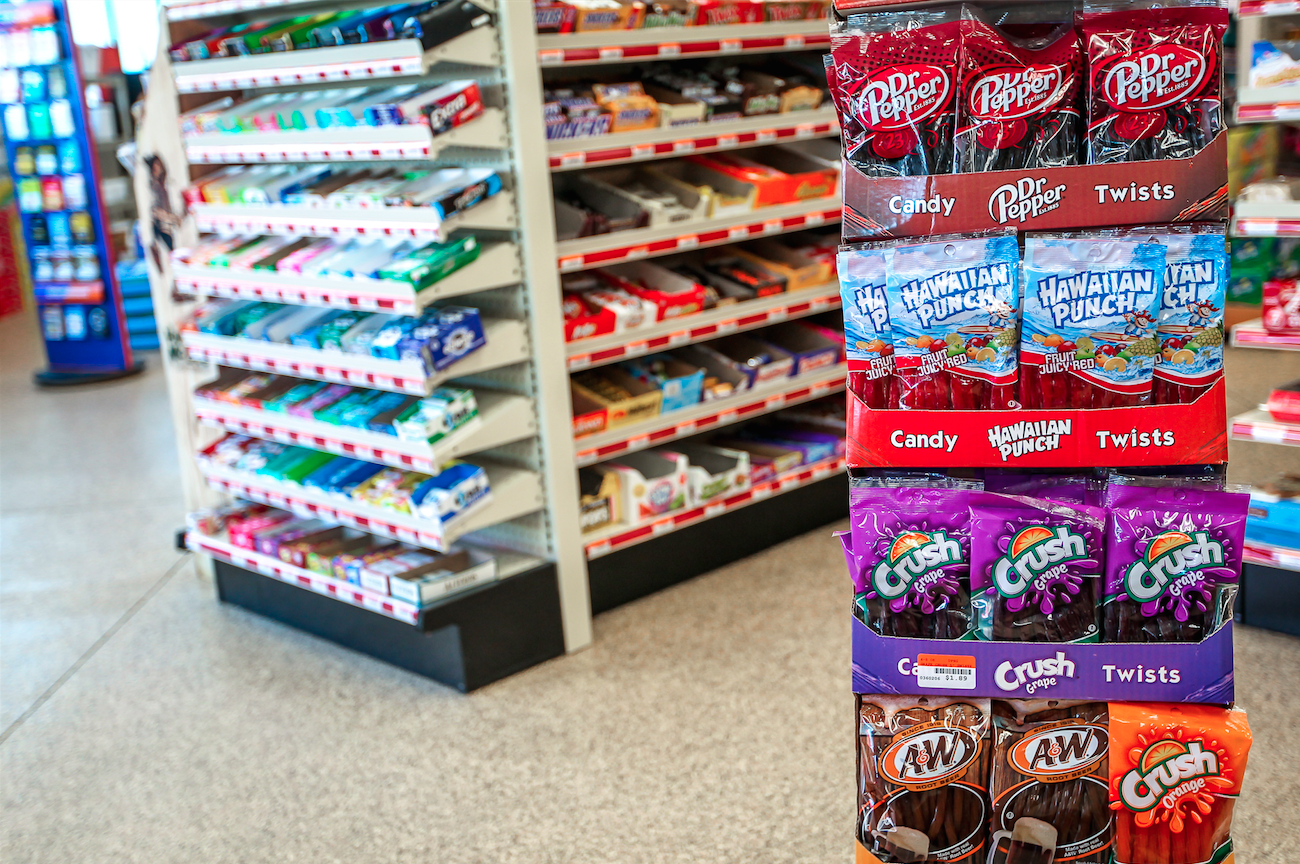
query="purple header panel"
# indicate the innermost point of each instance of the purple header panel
(1150, 672)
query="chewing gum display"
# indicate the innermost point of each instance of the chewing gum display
(1088, 329)
(1173, 559)
(1155, 78)
(952, 316)
(868, 340)
(923, 769)
(1190, 327)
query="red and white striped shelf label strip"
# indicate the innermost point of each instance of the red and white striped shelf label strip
(268, 224)
(312, 296)
(682, 518)
(617, 53)
(414, 386)
(1255, 227)
(1264, 339)
(224, 154)
(595, 155)
(1252, 8)
(196, 83)
(1270, 434)
(1270, 556)
(330, 445)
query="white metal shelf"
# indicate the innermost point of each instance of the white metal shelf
(515, 493)
(346, 63)
(602, 249)
(706, 416)
(189, 10)
(1266, 218)
(569, 153)
(1259, 425)
(497, 266)
(666, 43)
(356, 143)
(1251, 334)
(507, 343)
(709, 324)
(502, 419)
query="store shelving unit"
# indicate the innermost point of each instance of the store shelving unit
(1258, 425)
(497, 213)
(1256, 19)
(605, 46)
(1251, 334)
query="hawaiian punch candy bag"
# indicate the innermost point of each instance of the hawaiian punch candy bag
(1155, 78)
(1018, 103)
(1036, 568)
(923, 767)
(1173, 558)
(952, 310)
(1175, 774)
(908, 548)
(1088, 326)
(1049, 783)
(868, 343)
(893, 80)
(1190, 329)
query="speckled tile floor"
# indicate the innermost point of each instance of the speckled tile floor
(709, 723)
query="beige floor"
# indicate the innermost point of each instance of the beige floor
(143, 721)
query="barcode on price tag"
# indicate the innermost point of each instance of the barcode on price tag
(945, 671)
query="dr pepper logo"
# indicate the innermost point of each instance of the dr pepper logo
(1153, 78)
(928, 756)
(902, 96)
(1055, 754)
(1009, 92)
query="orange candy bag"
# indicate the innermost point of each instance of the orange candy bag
(1175, 773)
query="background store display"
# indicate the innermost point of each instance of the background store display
(566, 16)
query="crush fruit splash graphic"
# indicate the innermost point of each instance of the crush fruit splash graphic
(913, 555)
(1172, 562)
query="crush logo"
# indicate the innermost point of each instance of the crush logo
(1166, 772)
(902, 96)
(1034, 674)
(928, 756)
(1024, 199)
(1171, 556)
(1054, 754)
(1010, 92)
(1036, 552)
(912, 555)
(1154, 77)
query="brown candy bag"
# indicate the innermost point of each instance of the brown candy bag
(923, 764)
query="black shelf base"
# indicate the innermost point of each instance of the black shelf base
(628, 574)
(1269, 597)
(466, 642)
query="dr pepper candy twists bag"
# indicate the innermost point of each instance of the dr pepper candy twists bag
(952, 310)
(923, 767)
(1018, 104)
(1173, 558)
(1155, 78)
(868, 343)
(893, 79)
(1175, 773)
(1036, 568)
(1049, 783)
(1190, 329)
(1089, 321)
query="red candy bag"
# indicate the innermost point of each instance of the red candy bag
(1155, 79)
(893, 77)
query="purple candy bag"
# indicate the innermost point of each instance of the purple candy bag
(909, 554)
(1065, 488)
(1173, 560)
(1036, 568)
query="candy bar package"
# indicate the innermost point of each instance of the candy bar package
(908, 550)
(1175, 774)
(893, 78)
(1173, 558)
(1036, 568)
(1018, 102)
(1190, 327)
(1155, 78)
(1049, 783)
(868, 341)
(1088, 324)
(923, 768)
(952, 313)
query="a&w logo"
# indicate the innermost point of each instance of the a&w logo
(1024, 199)
(1034, 553)
(902, 96)
(1167, 771)
(1174, 556)
(1008, 92)
(911, 555)
(1060, 752)
(1153, 78)
(928, 756)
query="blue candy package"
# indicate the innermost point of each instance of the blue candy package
(868, 339)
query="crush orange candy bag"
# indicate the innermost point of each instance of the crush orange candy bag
(1175, 773)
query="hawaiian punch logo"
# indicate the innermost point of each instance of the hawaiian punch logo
(1171, 557)
(1154, 77)
(1035, 555)
(1061, 752)
(929, 755)
(1011, 92)
(1168, 772)
(913, 555)
(902, 96)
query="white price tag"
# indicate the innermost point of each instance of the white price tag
(730, 46)
(333, 446)
(945, 671)
(712, 510)
(660, 528)
(766, 134)
(637, 252)
(686, 427)
(643, 151)
(812, 220)
(334, 73)
(571, 263)
(738, 232)
(727, 326)
(595, 550)
(794, 40)
(725, 417)
(688, 241)
(776, 401)
(1268, 434)
(370, 304)
(406, 535)
(772, 226)
(579, 361)
(670, 49)
(681, 337)
(638, 442)
(725, 141)
(804, 130)
(636, 349)
(686, 145)
(550, 57)
(571, 159)
(611, 53)
(762, 491)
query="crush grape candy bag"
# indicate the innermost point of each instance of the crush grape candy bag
(893, 80)
(1173, 558)
(1155, 78)
(952, 312)
(1089, 321)
(1018, 102)
(1190, 329)
(868, 343)
(1036, 568)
